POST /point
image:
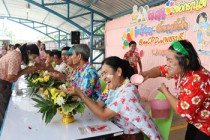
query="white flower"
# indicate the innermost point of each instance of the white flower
(186, 116)
(195, 100)
(31, 64)
(60, 101)
(187, 92)
(196, 77)
(64, 86)
(46, 73)
(205, 113)
(208, 129)
(184, 105)
(198, 125)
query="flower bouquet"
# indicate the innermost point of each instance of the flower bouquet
(43, 81)
(58, 101)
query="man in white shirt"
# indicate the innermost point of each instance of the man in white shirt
(60, 65)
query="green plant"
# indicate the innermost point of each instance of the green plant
(57, 100)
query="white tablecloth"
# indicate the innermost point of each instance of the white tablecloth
(23, 122)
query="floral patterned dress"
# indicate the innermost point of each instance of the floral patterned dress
(87, 79)
(132, 117)
(133, 58)
(194, 97)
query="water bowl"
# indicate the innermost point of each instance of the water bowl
(136, 78)
(160, 108)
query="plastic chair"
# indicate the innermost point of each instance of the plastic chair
(163, 125)
(103, 85)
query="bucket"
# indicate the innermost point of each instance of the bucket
(160, 108)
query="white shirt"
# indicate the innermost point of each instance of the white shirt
(61, 67)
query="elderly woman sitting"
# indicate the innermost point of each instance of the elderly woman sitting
(121, 103)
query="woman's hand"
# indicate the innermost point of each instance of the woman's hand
(163, 88)
(73, 91)
(145, 75)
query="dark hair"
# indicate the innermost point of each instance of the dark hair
(203, 14)
(49, 52)
(65, 48)
(132, 42)
(194, 61)
(24, 51)
(44, 46)
(115, 62)
(10, 45)
(17, 46)
(82, 49)
(58, 53)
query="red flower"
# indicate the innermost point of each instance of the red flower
(138, 110)
(115, 103)
(123, 100)
(127, 108)
(126, 118)
(138, 119)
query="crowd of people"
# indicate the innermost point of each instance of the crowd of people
(120, 101)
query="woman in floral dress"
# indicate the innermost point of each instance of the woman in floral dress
(192, 86)
(122, 102)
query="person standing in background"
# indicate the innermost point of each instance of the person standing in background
(38, 43)
(133, 57)
(42, 55)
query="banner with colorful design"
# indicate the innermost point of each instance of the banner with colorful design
(154, 29)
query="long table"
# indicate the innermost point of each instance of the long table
(23, 122)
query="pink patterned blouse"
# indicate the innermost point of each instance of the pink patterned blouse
(10, 64)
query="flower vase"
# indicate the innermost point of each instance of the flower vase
(67, 118)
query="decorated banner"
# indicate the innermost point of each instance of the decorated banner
(154, 29)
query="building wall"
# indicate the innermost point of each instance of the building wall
(161, 26)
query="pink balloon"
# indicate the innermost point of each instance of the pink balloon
(141, 53)
(136, 78)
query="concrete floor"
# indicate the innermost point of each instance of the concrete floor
(178, 127)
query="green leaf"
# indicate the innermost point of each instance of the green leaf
(50, 114)
(81, 108)
(67, 108)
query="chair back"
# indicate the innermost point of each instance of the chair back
(103, 85)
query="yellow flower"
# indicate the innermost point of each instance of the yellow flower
(46, 92)
(54, 97)
(41, 80)
(53, 91)
(62, 94)
(35, 80)
(46, 78)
